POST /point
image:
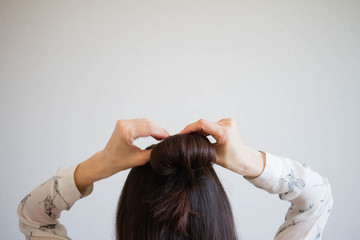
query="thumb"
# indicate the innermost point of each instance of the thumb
(142, 157)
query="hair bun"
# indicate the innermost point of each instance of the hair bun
(176, 157)
(183, 152)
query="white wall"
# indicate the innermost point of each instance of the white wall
(287, 71)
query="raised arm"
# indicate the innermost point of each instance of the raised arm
(40, 210)
(307, 191)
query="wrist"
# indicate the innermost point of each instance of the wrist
(89, 171)
(254, 163)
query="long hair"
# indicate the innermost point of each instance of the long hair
(176, 196)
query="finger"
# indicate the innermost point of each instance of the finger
(205, 128)
(147, 128)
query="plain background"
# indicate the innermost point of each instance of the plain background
(286, 71)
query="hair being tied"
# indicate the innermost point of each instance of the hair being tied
(176, 196)
(184, 159)
(182, 154)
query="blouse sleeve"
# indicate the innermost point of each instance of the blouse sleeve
(307, 191)
(40, 210)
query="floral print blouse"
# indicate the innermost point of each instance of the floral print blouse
(308, 192)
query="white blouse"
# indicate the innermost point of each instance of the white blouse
(307, 191)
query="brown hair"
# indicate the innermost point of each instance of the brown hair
(176, 196)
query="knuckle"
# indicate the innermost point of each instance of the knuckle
(202, 121)
(202, 124)
(146, 122)
(120, 123)
(122, 127)
(231, 120)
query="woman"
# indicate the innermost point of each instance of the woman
(308, 192)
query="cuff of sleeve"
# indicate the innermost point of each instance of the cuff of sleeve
(66, 188)
(271, 173)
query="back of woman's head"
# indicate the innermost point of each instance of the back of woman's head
(177, 195)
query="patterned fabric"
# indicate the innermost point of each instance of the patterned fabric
(307, 191)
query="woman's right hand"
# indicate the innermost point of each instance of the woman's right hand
(231, 153)
(119, 153)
